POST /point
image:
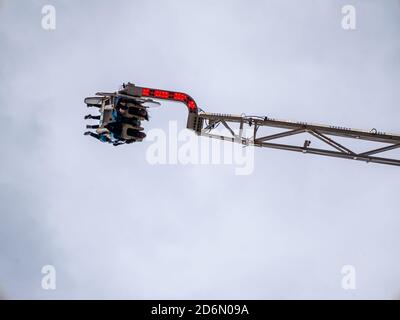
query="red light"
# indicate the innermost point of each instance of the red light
(191, 104)
(145, 92)
(180, 96)
(161, 94)
(170, 95)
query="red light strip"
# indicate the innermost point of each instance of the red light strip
(171, 95)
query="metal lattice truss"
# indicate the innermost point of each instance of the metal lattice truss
(206, 124)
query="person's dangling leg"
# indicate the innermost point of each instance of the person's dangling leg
(96, 126)
(92, 134)
(89, 116)
(93, 105)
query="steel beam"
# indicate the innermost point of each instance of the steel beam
(322, 132)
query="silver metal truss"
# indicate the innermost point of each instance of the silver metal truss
(206, 123)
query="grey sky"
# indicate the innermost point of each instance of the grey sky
(116, 227)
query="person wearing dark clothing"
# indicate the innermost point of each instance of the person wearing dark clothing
(115, 128)
(132, 121)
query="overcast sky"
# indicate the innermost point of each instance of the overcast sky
(115, 226)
